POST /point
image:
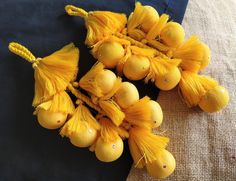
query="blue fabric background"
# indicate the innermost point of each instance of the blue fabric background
(27, 151)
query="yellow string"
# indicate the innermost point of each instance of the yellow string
(75, 11)
(22, 51)
(139, 44)
(84, 98)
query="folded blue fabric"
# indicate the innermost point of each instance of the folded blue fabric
(29, 152)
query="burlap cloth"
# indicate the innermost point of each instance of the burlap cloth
(204, 145)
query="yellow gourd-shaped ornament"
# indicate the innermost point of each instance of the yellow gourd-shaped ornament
(109, 145)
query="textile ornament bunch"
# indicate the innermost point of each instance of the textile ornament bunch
(150, 47)
(108, 111)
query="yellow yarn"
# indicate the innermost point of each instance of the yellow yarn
(139, 114)
(141, 20)
(99, 23)
(160, 67)
(193, 86)
(144, 145)
(52, 73)
(88, 81)
(156, 29)
(81, 119)
(60, 102)
(194, 54)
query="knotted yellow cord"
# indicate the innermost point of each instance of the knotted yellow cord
(23, 52)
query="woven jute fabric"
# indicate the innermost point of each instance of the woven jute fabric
(203, 144)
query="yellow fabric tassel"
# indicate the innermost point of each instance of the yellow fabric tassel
(155, 31)
(193, 86)
(147, 52)
(81, 118)
(160, 66)
(144, 145)
(99, 23)
(141, 20)
(52, 73)
(194, 54)
(61, 102)
(139, 114)
(88, 82)
(108, 130)
(110, 107)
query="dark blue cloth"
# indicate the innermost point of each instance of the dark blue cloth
(27, 151)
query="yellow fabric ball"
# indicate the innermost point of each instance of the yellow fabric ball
(51, 120)
(108, 152)
(109, 53)
(151, 17)
(214, 100)
(136, 67)
(172, 34)
(206, 56)
(163, 166)
(126, 95)
(85, 137)
(169, 80)
(106, 80)
(156, 113)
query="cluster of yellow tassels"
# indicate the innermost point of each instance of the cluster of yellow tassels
(119, 112)
(150, 47)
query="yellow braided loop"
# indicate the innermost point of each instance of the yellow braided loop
(22, 51)
(75, 11)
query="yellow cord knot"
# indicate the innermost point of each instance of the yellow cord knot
(36, 62)
(75, 11)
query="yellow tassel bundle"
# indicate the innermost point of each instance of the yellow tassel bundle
(52, 73)
(154, 48)
(146, 46)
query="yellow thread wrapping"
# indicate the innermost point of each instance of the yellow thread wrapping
(139, 114)
(160, 67)
(80, 119)
(193, 86)
(144, 145)
(75, 11)
(61, 102)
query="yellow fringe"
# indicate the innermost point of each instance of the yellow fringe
(61, 102)
(191, 53)
(112, 110)
(99, 23)
(156, 29)
(88, 82)
(80, 119)
(108, 130)
(147, 52)
(160, 66)
(144, 145)
(139, 114)
(193, 86)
